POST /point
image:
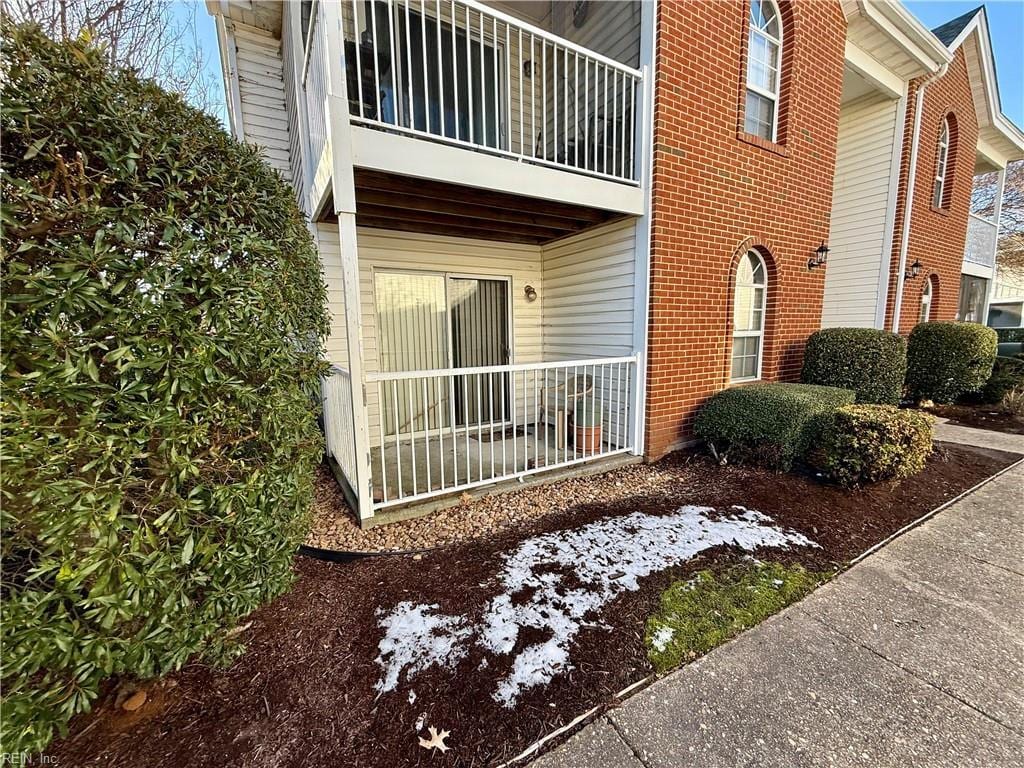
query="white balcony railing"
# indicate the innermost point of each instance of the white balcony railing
(458, 72)
(980, 247)
(315, 77)
(440, 431)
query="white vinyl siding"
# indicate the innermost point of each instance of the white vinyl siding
(389, 250)
(262, 93)
(588, 305)
(611, 28)
(588, 293)
(292, 94)
(329, 246)
(860, 200)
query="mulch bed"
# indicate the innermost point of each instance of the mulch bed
(303, 693)
(980, 417)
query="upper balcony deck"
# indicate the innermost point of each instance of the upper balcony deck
(428, 81)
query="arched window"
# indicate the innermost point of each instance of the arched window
(764, 64)
(748, 317)
(941, 165)
(926, 302)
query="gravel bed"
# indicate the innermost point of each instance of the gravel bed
(335, 527)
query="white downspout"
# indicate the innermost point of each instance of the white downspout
(908, 208)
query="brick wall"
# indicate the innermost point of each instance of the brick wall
(718, 192)
(937, 235)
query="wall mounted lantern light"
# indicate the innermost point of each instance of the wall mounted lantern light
(530, 292)
(913, 270)
(819, 258)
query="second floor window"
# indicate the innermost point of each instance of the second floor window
(941, 165)
(764, 62)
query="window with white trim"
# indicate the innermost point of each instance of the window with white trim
(764, 65)
(748, 317)
(926, 302)
(941, 164)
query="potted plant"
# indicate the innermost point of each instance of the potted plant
(587, 419)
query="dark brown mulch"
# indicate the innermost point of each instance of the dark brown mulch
(302, 694)
(980, 417)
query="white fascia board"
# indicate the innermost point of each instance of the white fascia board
(407, 156)
(907, 32)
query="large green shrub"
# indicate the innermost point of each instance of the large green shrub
(163, 314)
(871, 362)
(768, 424)
(946, 360)
(868, 443)
(1007, 375)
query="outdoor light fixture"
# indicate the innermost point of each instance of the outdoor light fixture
(528, 68)
(530, 292)
(819, 258)
(913, 271)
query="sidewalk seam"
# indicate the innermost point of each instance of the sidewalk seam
(622, 736)
(913, 674)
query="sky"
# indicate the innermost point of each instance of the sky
(1005, 19)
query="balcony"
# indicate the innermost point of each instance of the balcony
(980, 247)
(455, 76)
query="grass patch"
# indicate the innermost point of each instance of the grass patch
(702, 612)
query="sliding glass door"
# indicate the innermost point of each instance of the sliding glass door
(428, 321)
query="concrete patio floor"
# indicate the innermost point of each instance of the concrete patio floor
(913, 657)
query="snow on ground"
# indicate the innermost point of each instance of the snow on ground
(563, 580)
(662, 636)
(416, 639)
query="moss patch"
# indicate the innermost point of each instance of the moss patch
(697, 614)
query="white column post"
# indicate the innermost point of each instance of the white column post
(643, 148)
(344, 194)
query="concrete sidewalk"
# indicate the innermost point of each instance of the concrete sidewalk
(914, 657)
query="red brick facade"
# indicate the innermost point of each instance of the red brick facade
(718, 192)
(936, 234)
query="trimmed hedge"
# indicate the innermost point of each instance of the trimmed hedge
(768, 424)
(163, 313)
(869, 443)
(947, 360)
(871, 362)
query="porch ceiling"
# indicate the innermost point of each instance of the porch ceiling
(391, 201)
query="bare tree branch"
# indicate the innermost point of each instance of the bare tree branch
(143, 35)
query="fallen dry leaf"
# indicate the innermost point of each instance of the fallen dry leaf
(436, 740)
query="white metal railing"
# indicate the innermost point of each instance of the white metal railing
(315, 76)
(980, 247)
(459, 72)
(439, 431)
(339, 428)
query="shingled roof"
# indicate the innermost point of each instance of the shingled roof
(949, 31)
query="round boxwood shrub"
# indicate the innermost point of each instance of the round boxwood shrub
(163, 314)
(868, 443)
(871, 362)
(1007, 375)
(768, 424)
(946, 360)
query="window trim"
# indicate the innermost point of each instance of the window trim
(941, 166)
(775, 97)
(760, 334)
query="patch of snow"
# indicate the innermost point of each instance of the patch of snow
(566, 578)
(662, 637)
(415, 639)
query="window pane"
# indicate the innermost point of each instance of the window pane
(741, 310)
(937, 194)
(762, 58)
(1005, 315)
(762, 16)
(760, 115)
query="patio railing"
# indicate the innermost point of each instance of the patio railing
(439, 431)
(459, 72)
(339, 427)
